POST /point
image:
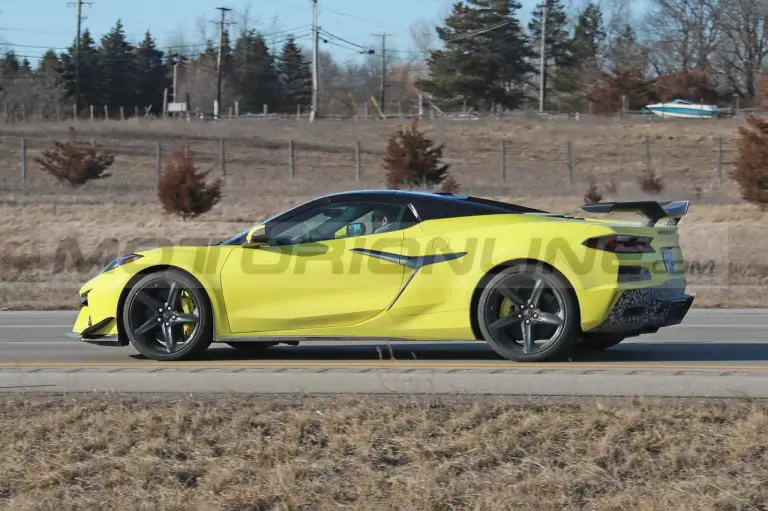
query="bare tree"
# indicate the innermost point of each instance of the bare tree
(742, 52)
(424, 36)
(683, 34)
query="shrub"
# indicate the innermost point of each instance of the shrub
(182, 188)
(593, 195)
(413, 161)
(650, 182)
(751, 172)
(75, 161)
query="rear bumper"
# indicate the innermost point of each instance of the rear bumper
(646, 310)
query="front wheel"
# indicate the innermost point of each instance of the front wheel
(167, 317)
(529, 314)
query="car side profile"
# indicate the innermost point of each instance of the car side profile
(409, 265)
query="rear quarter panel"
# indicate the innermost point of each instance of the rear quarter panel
(489, 242)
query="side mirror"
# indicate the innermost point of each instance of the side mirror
(356, 229)
(259, 235)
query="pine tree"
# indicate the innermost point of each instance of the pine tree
(90, 71)
(625, 51)
(256, 80)
(589, 35)
(587, 45)
(152, 75)
(486, 56)
(10, 65)
(295, 76)
(118, 69)
(558, 50)
(49, 64)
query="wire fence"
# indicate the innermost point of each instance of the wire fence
(490, 167)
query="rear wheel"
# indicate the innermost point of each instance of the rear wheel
(167, 316)
(528, 313)
(598, 341)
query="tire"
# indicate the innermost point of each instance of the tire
(149, 317)
(504, 308)
(598, 341)
(254, 348)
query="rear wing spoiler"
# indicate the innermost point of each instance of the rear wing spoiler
(653, 211)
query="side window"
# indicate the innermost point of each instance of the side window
(342, 220)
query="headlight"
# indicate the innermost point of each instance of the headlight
(120, 261)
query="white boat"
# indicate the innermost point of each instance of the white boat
(681, 108)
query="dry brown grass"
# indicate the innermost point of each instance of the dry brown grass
(259, 452)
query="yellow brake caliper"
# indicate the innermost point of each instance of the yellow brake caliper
(187, 307)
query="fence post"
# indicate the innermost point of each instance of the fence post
(291, 160)
(503, 158)
(159, 155)
(136, 112)
(720, 161)
(570, 162)
(237, 109)
(647, 145)
(222, 158)
(298, 111)
(106, 113)
(91, 109)
(122, 113)
(357, 160)
(23, 160)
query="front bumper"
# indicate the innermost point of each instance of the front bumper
(646, 310)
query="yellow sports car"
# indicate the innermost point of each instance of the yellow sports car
(386, 264)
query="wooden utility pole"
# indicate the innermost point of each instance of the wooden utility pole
(383, 86)
(220, 58)
(543, 56)
(79, 6)
(315, 62)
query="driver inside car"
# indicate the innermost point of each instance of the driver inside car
(381, 223)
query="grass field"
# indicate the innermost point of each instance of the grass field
(724, 237)
(229, 452)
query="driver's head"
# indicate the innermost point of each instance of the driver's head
(379, 219)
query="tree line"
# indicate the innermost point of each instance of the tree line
(596, 57)
(116, 73)
(701, 50)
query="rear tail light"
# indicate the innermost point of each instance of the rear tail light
(621, 244)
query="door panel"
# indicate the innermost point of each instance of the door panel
(310, 285)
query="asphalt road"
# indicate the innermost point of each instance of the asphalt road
(715, 353)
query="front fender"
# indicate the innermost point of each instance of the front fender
(102, 294)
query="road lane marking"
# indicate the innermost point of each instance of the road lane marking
(389, 363)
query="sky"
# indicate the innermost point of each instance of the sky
(31, 26)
